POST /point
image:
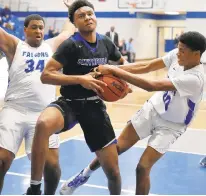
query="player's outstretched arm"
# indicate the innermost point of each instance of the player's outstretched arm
(68, 29)
(148, 85)
(143, 67)
(8, 44)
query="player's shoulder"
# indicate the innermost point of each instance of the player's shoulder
(103, 37)
(171, 57)
(72, 40)
(105, 40)
(173, 52)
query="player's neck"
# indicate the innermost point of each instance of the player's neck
(89, 37)
(191, 65)
(33, 45)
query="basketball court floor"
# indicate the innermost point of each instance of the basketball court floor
(177, 173)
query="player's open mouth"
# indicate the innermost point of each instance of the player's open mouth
(89, 24)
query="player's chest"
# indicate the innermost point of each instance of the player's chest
(175, 70)
(29, 61)
(92, 56)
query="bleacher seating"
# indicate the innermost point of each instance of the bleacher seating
(18, 29)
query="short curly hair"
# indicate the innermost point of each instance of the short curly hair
(194, 40)
(76, 5)
(31, 17)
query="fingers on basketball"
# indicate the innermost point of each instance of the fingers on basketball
(116, 88)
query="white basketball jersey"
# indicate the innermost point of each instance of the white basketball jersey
(25, 87)
(4, 68)
(180, 106)
(3, 79)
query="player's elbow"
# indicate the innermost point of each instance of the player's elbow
(155, 86)
(45, 77)
(149, 68)
(150, 87)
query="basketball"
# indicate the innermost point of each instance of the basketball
(115, 89)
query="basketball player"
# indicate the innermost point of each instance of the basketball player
(26, 96)
(166, 115)
(79, 103)
(3, 78)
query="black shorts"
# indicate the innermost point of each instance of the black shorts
(92, 117)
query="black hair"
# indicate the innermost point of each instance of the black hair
(76, 5)
(194, 40)
(31, 17)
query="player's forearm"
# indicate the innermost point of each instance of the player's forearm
(133, 79)
(144, 67)
(67, 31)
(56, 78)
(136, 68)
(68, 28)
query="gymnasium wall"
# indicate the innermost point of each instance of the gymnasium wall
(57, 5)
(185, 5)
(196, 21)
(109, 5)
(142, 30)
(142, 27)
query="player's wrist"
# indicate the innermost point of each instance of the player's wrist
(80, 80)
(112, 69)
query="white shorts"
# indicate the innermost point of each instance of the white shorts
(163, 133)
(17, 124)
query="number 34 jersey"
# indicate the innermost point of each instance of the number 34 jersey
(180, 106)
(25, 87)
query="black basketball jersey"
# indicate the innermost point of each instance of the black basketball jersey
(78, 57)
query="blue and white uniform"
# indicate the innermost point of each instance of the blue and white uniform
(166, 115)
(25, 98)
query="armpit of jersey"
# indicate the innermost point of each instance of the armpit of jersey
(170, 58)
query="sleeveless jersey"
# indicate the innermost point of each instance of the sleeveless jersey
(25, 87)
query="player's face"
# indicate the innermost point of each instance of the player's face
(185, 55)
(85, 19)
(34, 33)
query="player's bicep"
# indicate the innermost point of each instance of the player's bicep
(7, 42)
(51, 71)
(53, 65)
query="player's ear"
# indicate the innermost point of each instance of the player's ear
(74, 24)
(197, 53)
(25, 29)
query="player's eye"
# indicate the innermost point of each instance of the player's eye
(81, 16)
